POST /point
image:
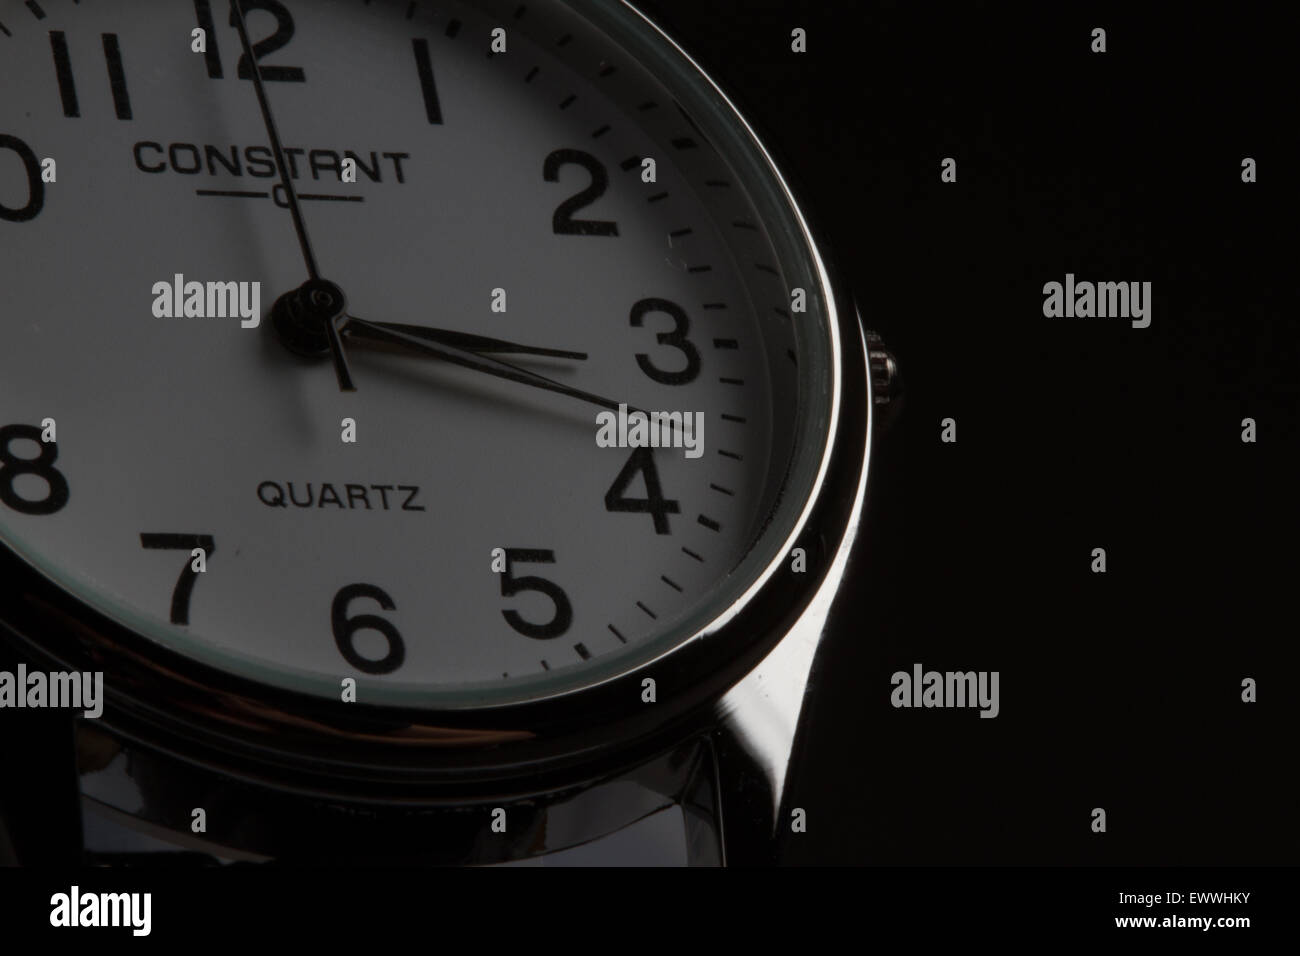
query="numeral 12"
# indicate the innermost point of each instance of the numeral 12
(244, 70)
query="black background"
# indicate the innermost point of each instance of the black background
(1119, 690)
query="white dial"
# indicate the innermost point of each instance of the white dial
(474, 543)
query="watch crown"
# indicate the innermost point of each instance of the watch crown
(886, 379)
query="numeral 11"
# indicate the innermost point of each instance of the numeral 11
(67, 86)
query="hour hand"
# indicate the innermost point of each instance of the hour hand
(362, 329)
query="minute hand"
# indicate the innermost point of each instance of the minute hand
(341, 370)
(483, 363)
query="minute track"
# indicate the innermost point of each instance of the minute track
(631, 164)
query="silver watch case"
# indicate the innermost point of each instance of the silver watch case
(286, 776)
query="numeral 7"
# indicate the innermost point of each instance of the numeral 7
(185, 583)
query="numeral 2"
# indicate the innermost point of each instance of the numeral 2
(563, 222)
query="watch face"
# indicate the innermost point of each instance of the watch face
(455, 532)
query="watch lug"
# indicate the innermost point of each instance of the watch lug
(759, 717)
(754, 741)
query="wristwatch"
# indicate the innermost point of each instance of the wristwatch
(434, 423)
